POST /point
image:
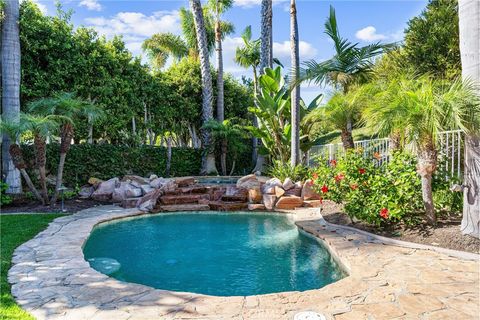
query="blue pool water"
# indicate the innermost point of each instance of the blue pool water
(227, 254)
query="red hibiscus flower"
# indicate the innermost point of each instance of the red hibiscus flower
(362, 170)
(339, 177)
(354, 186)
(324, 189)
(333, 163)
(314, 176)
(384, 213)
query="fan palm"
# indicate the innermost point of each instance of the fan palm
(422, 107)
(162, 45)
(228, 135)
(14, 129)
(67, 106)
(248, 55)
(350, 65)
(42, 127)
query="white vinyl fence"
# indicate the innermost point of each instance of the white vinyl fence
(449, 144)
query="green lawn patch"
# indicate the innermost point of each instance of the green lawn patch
(15, 230)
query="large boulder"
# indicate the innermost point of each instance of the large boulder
(184, 181)
(274, 182)
(269, 201)
(137, 179)
(308, 193)
(289, 202)
(255, 195)
(126, 190)
(279, 191)
(86, 192)
(149, 201)
(105, 190)
(146, 188)
(248, 182)
(288, 184)
(294, 192)
(163, 184)
(94, 181)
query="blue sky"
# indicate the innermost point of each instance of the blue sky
(361, 21)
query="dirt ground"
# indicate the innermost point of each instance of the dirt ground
(30, 206)
(446, 234)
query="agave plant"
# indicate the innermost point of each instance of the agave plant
(421, 107)
(67, 107)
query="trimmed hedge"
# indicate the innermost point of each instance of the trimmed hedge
(105, 161)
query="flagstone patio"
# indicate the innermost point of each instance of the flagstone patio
(51, 280)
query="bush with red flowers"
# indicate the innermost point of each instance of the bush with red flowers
(376, 192)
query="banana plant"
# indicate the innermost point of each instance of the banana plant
(273, 112)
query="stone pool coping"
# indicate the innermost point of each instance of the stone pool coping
(51, 280)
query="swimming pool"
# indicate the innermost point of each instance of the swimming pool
(222, 254)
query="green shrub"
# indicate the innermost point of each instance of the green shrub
(4, 198)
(105, 161)
(283, 170)
(377, 193)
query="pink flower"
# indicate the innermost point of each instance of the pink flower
(384, 213)
(333, 163)
(314, 176)
(377, 155)
(354, 186)
(339, 177)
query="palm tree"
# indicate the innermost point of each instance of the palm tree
(423, 107)
(266, 57)
(14, 129)
(219, 7)
(469, 20)
(67, 107)
(350, 65)
(266, 61)
(295, 95)
(208, 159)
(248, 55)
(41, 127)
(10, 63)
(162, 45)
(228, 135)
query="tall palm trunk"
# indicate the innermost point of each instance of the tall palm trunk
(16, 155)
(41, 160)
(469, 22)
(295, 95)
(169, 156)
(427, 163)
(208, 159)
(255, 120)
(66, 140)
(223, 159)
(395, 141)
(266, 60)
(220, 89)
(10, 63)
(347, 139)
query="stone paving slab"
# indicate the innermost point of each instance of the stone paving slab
(51, 280)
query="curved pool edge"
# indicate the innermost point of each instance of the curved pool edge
(51, 279)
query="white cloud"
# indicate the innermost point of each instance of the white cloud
(253, 3)
(370, 34)
(41, 6)
(282, 50)
(92, 5)
(136, 24)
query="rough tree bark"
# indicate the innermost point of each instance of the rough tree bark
(427, 163)
(10, 62)
(208, 159)
(295, 95)
(469, 23)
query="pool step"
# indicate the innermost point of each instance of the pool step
(234, 198)
(185, 207)
(228, 206)
(183, 199)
